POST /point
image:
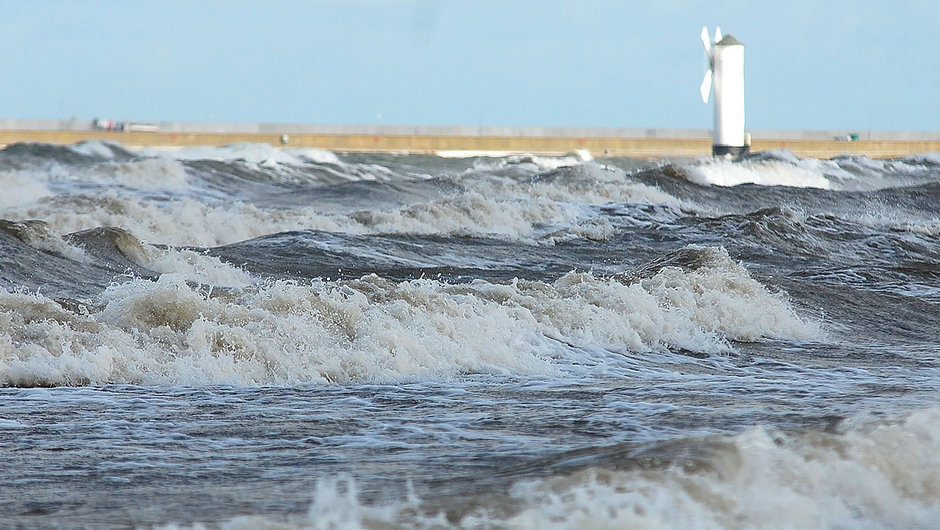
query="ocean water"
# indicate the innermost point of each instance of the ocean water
(251, 337)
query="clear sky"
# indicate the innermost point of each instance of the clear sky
(810, 64)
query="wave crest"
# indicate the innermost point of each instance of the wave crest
(373, 329)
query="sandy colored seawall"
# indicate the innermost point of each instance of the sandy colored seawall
(431, 143)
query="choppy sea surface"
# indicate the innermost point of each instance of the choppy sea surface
(251, 337)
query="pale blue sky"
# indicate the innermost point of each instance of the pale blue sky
(810, 64)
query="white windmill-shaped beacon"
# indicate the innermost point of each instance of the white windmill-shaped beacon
(726, 70)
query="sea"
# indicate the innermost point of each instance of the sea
(247, 336)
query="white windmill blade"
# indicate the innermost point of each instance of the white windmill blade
(706, 87)
(717, 34)
(706, 42)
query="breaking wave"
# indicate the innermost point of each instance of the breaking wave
(487, 205)
(782, 168)
(865, 474)
(372, 329)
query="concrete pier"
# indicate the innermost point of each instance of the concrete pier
(640, 143)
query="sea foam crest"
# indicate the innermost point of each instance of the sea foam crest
(99, 149)
(487, 206)
(146, 174)
(41, 236)
(372, 329)
(874, 475)
(762, 172)
(585, 183)
(259, 153)
(503, 160)
(491, 204)
(99, 162)
(181, 222)
(198, 267)
(470, 213)
(22, 188)
(783, 168)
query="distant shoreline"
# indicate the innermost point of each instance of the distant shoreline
(466, 141)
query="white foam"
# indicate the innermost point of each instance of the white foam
(586, 183)
(490, 205)
(883, 217)
(40, 235)
(782, 168)
(875, 475)
(723, 298)
(181, 222)
(21, 188)
(144, 174)
(542, 162)
(508, 207)
(199, 267)
(598, 229)
(504, 206)
(870, 174)
(95, 148)
(168, 332)
(473, 214)
(258, 153)
(924, 158)
(764, 173)
(527, 205)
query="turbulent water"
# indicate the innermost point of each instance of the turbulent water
(250, 337)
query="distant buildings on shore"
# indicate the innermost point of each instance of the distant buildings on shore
(111, 125)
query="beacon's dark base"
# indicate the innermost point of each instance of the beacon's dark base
(731, 151)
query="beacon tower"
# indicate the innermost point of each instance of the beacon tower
(726, 72)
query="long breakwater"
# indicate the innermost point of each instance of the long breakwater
(642, 143)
